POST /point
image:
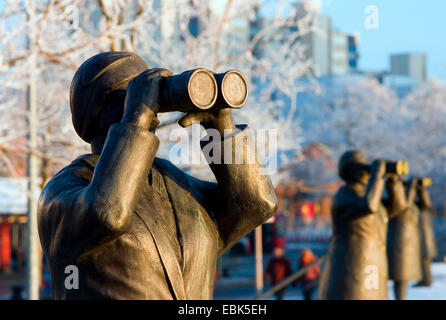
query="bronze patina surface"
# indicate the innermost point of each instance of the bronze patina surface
(428, 246)
(357, 264)
(136, 226)
(404, 244)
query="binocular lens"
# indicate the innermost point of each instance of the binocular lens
(400, 167)
(189, 91)
(426, 182)
(233, 89)
(202, 89)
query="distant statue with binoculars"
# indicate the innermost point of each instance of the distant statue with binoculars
(428, 245)
(356, 267)
(134, 225)
(404, 243)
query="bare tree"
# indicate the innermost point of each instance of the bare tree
(260, 38)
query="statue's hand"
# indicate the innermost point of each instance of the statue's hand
(219, 119)
(143, 95)
(379, 167)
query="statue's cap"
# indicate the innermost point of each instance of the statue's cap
(348, 164)
(95, 78)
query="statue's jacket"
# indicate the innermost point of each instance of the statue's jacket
(428, 246)
(357, 267)
(404, 246)
(137, 227)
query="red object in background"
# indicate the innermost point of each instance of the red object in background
(307, 210)
(5, 245)
(279, 242)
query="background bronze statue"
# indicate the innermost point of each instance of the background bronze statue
(357, 264)
(428, 245)
(404, 244)
(136, 226)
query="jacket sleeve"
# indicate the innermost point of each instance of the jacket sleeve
(424, 198)
(77, 212)
(243, 197)
(397, 202)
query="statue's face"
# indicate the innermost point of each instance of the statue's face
(365, 177)
(352, 167)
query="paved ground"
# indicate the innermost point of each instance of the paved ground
(7, 280)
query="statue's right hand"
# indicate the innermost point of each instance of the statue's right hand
(379, 167)
(143, 93)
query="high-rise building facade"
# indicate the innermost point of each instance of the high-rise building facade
(409, 64)
(339, 53)
(332, 52)
(319, 45)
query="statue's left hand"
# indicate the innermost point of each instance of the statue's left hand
(220, 119)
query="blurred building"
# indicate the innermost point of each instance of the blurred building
(353, 52)
(332, 52)
(318, 45)
(305, 191)
(407, 71)
(409, 64)
(402, 84)
(339, 53)
(13, 208)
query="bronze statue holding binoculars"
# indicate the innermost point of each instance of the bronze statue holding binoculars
(428, 244)
(357, 264)
(404, 244)
(134, 225)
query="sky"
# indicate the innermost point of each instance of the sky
(404, 26)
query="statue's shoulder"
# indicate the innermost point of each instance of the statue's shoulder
(80, 168)
(345, 196)
(56, 193)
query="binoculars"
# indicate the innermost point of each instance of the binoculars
(424, 182)
(399, 167)
(201, 89)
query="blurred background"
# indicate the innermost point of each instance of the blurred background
(327, 75)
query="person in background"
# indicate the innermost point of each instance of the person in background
(309, 281)
(279, 268)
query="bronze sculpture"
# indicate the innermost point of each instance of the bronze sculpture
(404, 244)
(357, 264)
(134, 225)
(428, 244)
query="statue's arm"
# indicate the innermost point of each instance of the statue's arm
(76, 214)
(425, 199)
(397, 202)
(245, 195)
(412, 191)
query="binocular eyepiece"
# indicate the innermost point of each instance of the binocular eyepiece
(200, 89)
(399, 167)
(424, 182)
